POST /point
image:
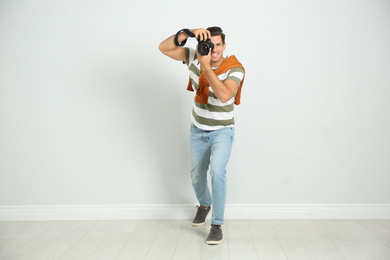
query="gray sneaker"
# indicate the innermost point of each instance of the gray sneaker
(215, 236)
(201, 215)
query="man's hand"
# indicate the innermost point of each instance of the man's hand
(204, 61)
(201, 34)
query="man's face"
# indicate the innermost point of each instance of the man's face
(219, 48)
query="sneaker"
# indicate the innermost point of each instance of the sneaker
(215, 236)
(201, 215)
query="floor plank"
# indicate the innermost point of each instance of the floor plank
(140, 240)
(346, 245)
(190, 243)
(90, 241)
(12, 230)
(115, 241)
(292, 243)
(17, 241)
(381, 231)
(266, 242)
(164, 244)
(366, 239)
(317, 241)
(58, 247)
(241, 244)
(39, 242)
(386, 222)
(4, 224)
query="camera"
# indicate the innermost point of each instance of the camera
(204, 47)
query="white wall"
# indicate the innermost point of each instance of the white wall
(92, 113)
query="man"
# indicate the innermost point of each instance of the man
(217, 82)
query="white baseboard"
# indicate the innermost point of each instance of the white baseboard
(185, 211)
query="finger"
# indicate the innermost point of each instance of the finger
(197, 35)
(201, 36)
(205, 35)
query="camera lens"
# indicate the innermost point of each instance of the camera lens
(203, 49)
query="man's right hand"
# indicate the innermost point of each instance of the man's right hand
(201, 34)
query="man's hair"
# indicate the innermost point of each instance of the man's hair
(215, 31)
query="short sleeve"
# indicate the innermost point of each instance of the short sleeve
(190, 56)
(236, 74)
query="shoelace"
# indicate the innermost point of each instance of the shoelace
(199, 212)
(214, 230)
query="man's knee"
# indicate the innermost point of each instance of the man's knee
(198, 176)
(218, 175)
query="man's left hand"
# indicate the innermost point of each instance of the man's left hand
(204, 61)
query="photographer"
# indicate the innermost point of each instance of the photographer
(217, 82)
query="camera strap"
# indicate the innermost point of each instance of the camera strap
(186, 31)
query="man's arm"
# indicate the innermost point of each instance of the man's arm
(223, 90)
(169, 48)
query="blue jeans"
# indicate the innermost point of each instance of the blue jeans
(210, 150)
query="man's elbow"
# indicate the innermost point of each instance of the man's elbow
(225, 99)
(226, 96)
(161, 48)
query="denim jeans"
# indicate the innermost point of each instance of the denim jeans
(210, 150)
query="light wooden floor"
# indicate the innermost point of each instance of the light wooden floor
(177, 239)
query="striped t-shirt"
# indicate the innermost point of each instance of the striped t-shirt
(214, 115)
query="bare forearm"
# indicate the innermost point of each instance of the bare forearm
(169, 45)
(223, 91)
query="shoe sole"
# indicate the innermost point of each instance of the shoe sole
(201, 224)
(198, 224)
(214, 242)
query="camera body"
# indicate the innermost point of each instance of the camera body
(204, 47)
